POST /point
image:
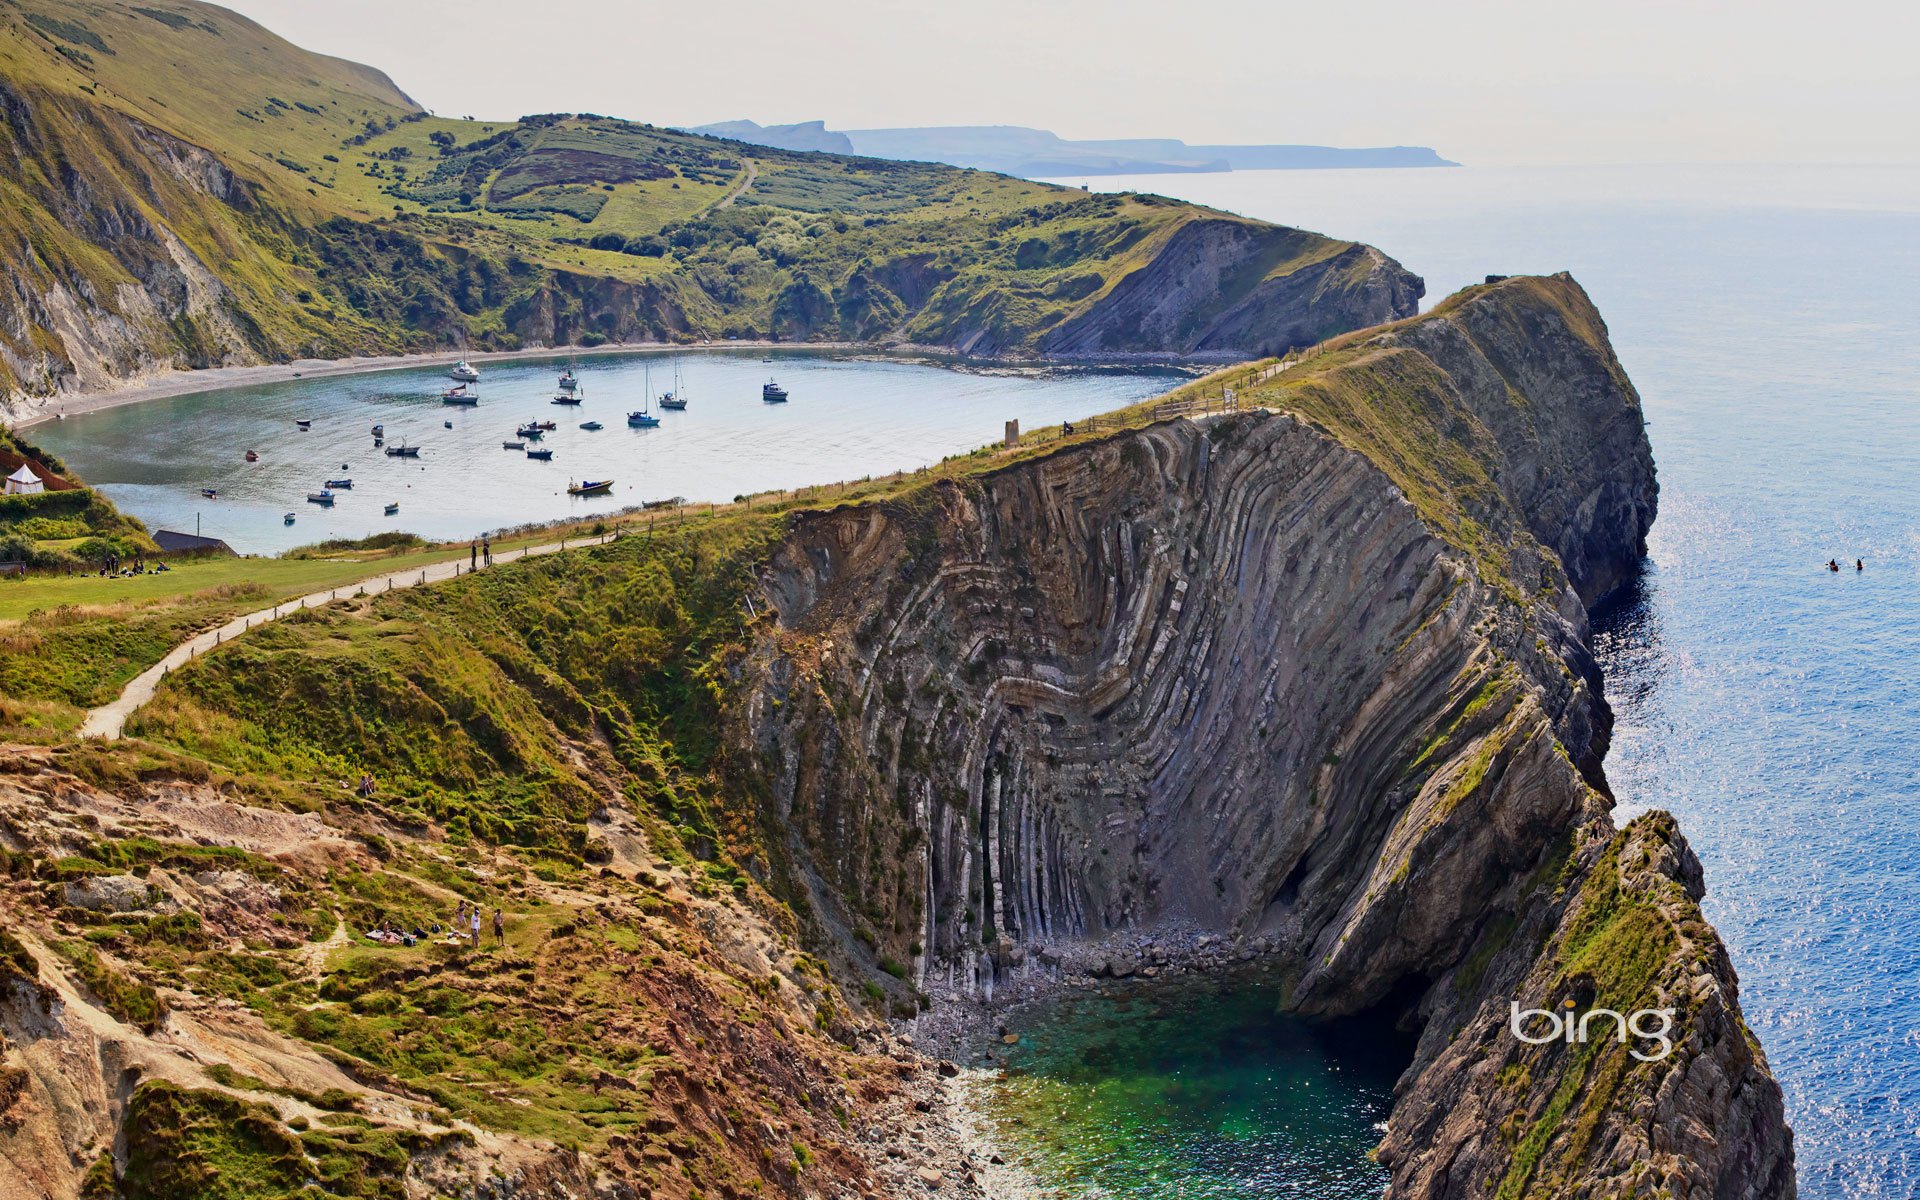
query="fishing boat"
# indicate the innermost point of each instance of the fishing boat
(461, 395)
(463, 372)
(542, 455)
(590, 487)
(209, 493)
(393, 508)
(548, 426)
(592, 426)
(303, 424)
(288, 519)
(403, 451)
(253, 456)
(642, 420)
(773, 393)
(320, 498)
(567, 380)
(568, 398)
(343, 485)
(513, 445)
(378, 430)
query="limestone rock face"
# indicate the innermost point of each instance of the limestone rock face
(1263, 675)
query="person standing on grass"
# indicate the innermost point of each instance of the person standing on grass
(499, 927)
(476, 926)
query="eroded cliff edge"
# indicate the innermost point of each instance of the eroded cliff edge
(1314, 676)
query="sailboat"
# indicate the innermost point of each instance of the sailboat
(568, 381)
(463, 372)
(642, 419)
(675, 400)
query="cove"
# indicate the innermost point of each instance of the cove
(1196, 1087)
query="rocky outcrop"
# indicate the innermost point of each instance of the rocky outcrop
(1230, 289)
(1314, 678)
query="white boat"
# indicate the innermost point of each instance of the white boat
(463, 372)
(675, 400)
(320, 498)
(568, 382)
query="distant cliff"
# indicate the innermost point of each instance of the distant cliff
(1315, 678)
(1039, 154)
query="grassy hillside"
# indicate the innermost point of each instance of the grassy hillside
(184, 188)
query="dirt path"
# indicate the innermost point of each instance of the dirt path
(753, 173)
(110, 719)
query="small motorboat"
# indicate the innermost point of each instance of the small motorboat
(253, 456)
(448, 424)
(592, 426)
(521, 445)
(542, 455)
(568, 398)
(322, 497)
(378, 430)
(393, 508)
(403, 451)
(548, 426)
(288, 519)
(529, 431)
(303, 424)
(342, 485)
(460, 395)
(567, 380)
(642, 420)
(767, 359)
(773, 393)
(209, 493)
(590, 487)
(463, 372)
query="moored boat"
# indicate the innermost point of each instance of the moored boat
(253, 456)
(288, 519)
(773, 393)
(463, 372)
(513, 445)
(303, 424)
(642, 420)
(209, 493)
(542, 455)
(460, 395)
(590, 487)
(320, 498)
(568, 398)
(378, 430)
(403, 451)
(344, 485)
(592, 426)
(393, 508)
(568, 382)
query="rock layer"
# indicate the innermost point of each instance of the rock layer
(1315, 677)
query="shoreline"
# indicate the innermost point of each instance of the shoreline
(160, 385)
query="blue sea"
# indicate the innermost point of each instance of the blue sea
(1770, 317)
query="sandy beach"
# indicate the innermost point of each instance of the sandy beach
(213, 379)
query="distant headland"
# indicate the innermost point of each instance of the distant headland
(1037, 154)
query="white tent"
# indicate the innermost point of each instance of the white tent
(24, 482)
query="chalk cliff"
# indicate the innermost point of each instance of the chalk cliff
(1314, 676)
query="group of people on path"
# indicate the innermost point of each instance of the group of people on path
(465, 929)
(479, 552)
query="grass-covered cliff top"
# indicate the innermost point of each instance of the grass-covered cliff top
(342, 218)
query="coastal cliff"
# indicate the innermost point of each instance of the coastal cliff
(1305, 684)
(287, 205)
(1315, 678)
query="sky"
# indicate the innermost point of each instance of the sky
(1482, 81)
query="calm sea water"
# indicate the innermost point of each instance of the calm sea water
(1771, 319)
(847, 417)
(1192, 1089)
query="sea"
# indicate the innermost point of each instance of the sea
(1770, 317)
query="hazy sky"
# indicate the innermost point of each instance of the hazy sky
(1483, 81)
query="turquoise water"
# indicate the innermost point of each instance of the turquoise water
(847, 418)
(1195, 1089)
(1771, 319)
